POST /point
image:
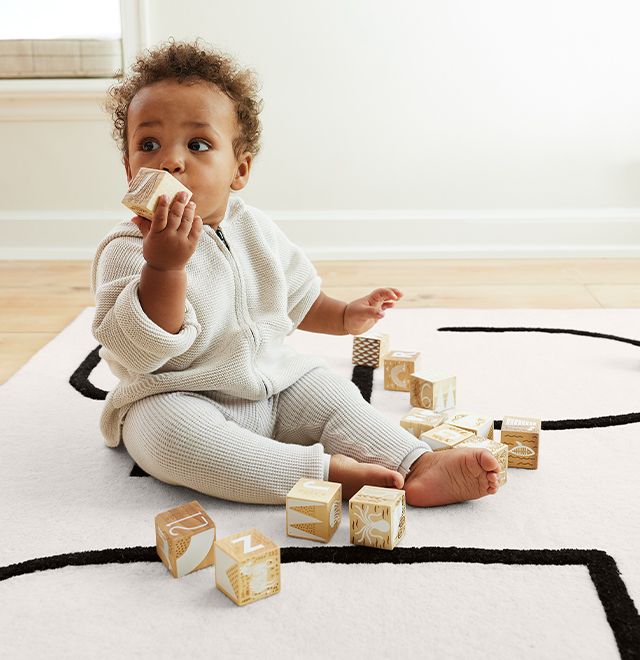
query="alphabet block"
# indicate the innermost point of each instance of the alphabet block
(377, 517)
(369, 349)
(433, 391)
(522, 434)
(184, 538)
(314, 509)
(481, 425)
(446, 437)
(247, 566)
(419, 420)
(398, 366)
(147, 186)
(498, 449)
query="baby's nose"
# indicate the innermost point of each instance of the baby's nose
(173, 166)
(172, 161)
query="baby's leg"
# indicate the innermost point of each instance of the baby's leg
(366, 447)
(329, 408)
(184, 439)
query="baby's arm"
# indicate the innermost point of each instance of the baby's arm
(335, 317)
(169, 240)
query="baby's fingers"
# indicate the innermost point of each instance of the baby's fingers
(382, 295)
(196, 228)
(159, 220)
(186, 224)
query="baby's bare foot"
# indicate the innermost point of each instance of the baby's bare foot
(353, 475)
(452, 475)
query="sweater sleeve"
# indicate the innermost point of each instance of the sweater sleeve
(303, 282)
(120, 324)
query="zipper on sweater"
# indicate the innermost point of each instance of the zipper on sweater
(223, 239)
(242, 298)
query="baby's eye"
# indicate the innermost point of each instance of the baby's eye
(149, 145)
(199, 145)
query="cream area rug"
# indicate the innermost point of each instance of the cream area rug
(549, 567)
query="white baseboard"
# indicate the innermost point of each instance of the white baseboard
(363, 234)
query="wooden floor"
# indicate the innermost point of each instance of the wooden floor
(39, 298)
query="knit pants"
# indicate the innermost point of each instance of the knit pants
(255, 451)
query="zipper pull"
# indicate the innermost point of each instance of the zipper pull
(223, 239)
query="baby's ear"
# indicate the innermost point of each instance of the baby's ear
(242, 171)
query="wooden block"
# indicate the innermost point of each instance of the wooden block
(147, 186)
(369, 349)
(377, 517)
(433, 391)
(481, 425)
(398, 366)
(498, 449)
(247, 566)
(445, 437)
(419, 420)
(184, 538)
(522, 434)
(314, 509)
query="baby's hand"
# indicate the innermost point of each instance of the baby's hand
(362, 314)
(170, 237)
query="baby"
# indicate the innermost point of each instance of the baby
(193, 305)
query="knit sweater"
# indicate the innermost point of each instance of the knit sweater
(241, 302)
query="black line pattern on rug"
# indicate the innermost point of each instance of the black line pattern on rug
(80, 377)
(618, 605)
(363, 378)
(553, 331)
(563, 424)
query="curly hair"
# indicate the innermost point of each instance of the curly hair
(186, 63)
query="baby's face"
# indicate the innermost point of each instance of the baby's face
(188, 130)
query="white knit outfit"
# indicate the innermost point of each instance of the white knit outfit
(224, 406)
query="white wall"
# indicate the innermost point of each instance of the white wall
(437, 128)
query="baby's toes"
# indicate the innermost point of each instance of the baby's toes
(493, 483)
(488, 461)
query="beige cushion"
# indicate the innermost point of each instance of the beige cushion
(60, 58)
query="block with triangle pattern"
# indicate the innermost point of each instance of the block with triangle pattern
(247, 566)
(184, 538)
(435, 392)
(314, 509)
(369, 349)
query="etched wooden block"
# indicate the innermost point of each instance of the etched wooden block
(147, 186)
(433, 391)
(445, 437)
(377, 517)
(522, 434)
(398, 367)
(314, 509)
(481, 425)
(419, 420)
(184, 538)
(369, 349)
(247, 566)
(498, 449)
